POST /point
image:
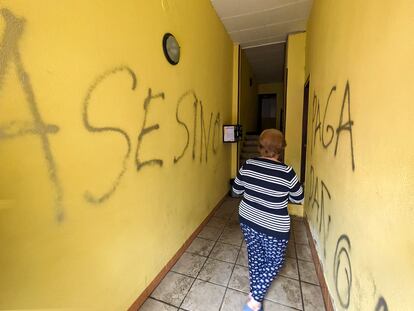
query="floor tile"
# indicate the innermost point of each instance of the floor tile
(233, 223)
(201, 247)
(298, 224)
(303, 252)
(240, 279)
(286, 292)
(216, 222)
(291, 251)
(189, 264)
(301, 237)
(225, 210)
(231, 205)
(225, 252)
(154, 305)
(312, 297)
(233, 300)
(216, 271)
(173, 288)
(204, 296)
(223, 240)
(273, 306)
(235, 215)
(242, 258)
(299, 228)
(290, 269)
(308, 272)
(210, 233)
(232, 236)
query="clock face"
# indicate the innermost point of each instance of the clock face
(171, 49)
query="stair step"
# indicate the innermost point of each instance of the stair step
(250, 149)
(251, 143)
(251, 137)
(245, 155)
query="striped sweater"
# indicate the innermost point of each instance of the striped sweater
(267, 186)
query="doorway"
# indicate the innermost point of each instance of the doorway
(267, 111)
(304, 131)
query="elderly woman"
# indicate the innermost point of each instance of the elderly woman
(267, 185)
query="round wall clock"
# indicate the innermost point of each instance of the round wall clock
(171, 49)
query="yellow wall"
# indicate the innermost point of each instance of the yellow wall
(274, 88)
(82, 222)
(360, 178)
(235, 107)
(248, 97)
(295, 63)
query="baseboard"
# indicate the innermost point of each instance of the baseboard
(319, 271)
(150, 288)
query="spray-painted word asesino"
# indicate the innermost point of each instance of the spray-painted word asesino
(9, 53)
(147, 129)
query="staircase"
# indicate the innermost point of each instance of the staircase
(249, 148)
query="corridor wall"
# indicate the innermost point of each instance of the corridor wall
(295, 64)
(110, 157)
(360, 169)
(248, 96)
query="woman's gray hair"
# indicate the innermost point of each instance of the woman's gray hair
(271, 143)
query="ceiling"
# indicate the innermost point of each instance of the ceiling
(267, 62)
(261, 28)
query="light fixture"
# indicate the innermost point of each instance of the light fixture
(171, 49)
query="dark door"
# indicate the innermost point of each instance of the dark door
(304, 131)
(267, 111)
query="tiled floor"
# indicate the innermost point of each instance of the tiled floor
(212, 274)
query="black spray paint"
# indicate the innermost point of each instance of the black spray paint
(342, 265)
(204, 139)
(347, 126)
(329, 128)
(101, 198)
(316, 121)
(192, 94)
(325, 132)
(205, 134)
(195, 127)
(381, 305)
(216, 131)
(9, 52)
(146, 130)
(318, 199)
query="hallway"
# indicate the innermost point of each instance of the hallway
(212, 273)
(122, 129)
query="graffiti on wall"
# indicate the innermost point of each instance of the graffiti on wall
(205, 138)
(343, 270)
(325, 132)
(208, 134)
(318, 200)
(381, 305)
(205, 134)
(9, 53)
(193, 97)
(343, 277)
(332, 126)
(93, 198)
